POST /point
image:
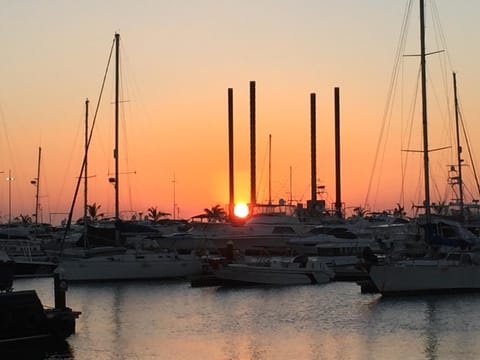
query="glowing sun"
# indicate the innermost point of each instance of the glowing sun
(241, 210)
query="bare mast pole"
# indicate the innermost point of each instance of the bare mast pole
(338, 185)
(115, 152)
(424, 113)
(231, 204)
(459, 147)
(270, 169)
(37, 183)
(313, 148)
(85, 180)
(253, 190)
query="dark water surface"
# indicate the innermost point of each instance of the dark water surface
(171, 320)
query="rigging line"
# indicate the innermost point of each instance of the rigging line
(59, 193)
(468, 191)
(12, 158)
(79, 180)
(125, 139)
(446, 128)
(467, 141)
(436, 15)
(409, 135)
(444, 63)
(400, 49)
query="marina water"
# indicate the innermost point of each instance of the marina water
(172, 320)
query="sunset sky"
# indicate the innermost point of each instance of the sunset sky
(178, 58)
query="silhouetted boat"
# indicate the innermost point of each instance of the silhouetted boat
(115, 262)
(459, 270)
(299, 270)
(24, 319)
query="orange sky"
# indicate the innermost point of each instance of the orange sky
(179, 58)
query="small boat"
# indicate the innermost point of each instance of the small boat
(459, 271)
(29, 256)
(24, 319)
(299, 270)
(115, 263)
(7, 270)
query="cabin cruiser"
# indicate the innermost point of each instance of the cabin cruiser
(299, 270)
(118, 263)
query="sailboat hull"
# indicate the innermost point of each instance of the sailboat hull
(129, 267)
(427, 277)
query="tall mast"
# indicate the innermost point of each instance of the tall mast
(459, 147)
(313, 148)
(424, 111)
(85, 179)
(338, 179)
(253, 189)
(37, 183)
(115, 152)
(270, 169)
(10, 179)
(231, 181)
(174, 197)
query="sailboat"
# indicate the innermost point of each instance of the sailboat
(117, 262)
(459, 269)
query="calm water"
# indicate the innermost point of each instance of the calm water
(171, 320)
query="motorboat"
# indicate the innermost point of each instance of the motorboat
(117, 263)
(7, 269)
(299, 270)
(29, 256)
(459, 271)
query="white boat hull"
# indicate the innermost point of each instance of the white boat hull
(128, 267)
(252, 274)
(433, 277)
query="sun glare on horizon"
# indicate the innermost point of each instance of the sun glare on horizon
(241, 210)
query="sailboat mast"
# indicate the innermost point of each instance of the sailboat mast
(85, 180)
(270, 169)
(115, 153)
(459, 148)
(37, 204)
(424, 111)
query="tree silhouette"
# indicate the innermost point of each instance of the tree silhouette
(215, 214)
(399, 211)
(441, 208)
(24, 219)
(93, 212)
(154, 215)
(359, 212)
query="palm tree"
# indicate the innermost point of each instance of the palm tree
(93, 212)
(215, 214)
(359, 212)
(154, 215)
(399, 211)
(24, 219)
(441, 208)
